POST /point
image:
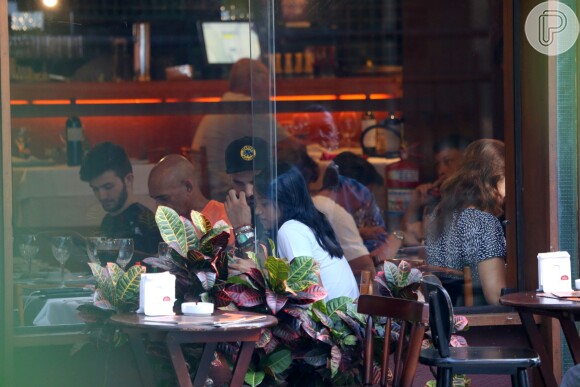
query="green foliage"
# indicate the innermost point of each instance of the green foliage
(279, 271)
(400, 281)
(302, 274)
(173, 229)
(315, 342)
(198, 254)
(253, 378)
(117, 290)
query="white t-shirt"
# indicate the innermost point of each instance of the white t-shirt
(295, 239)
(344, 227)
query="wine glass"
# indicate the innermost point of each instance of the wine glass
(93, 244)
(349, 125)
(28, 247)
(108, 250)
(126, 249)
(61, 250)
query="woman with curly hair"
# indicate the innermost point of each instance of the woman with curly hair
(464, 229)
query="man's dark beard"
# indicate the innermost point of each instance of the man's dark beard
(122, 199)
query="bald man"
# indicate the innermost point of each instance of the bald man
(173, 183)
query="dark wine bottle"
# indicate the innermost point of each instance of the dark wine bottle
(74, 141)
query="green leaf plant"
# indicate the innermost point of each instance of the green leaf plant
(404, 282)
(198, 255)
(316, 343)
(116, 291)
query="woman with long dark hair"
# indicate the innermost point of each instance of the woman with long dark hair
(284, 206)
(464, 229)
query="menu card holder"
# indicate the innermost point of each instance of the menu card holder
(554, 272)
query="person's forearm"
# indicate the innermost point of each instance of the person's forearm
(412, 214)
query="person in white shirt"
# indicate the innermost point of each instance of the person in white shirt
(284, 206)
(347, 234)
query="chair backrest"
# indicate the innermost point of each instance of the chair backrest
(465, 274)
(366, 282)
(440, 313)
(413, 317)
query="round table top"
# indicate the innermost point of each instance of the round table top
(535, 300)
(218, 321)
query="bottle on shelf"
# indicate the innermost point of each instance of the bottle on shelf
(74, 141)
(368, 139)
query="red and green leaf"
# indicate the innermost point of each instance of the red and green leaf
(335, 358)
(312, 294)
(285, 333)
(275, 301)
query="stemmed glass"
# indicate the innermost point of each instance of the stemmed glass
(28, 247)
(93, 244)
(61, 250)
(126, 249)
(107, 250)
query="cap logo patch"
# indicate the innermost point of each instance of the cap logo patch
(248, 153)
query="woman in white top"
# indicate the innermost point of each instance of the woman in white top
(284, 206)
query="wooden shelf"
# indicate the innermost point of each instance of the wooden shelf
(198, 97)
(388, 84)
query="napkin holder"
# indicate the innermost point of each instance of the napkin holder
(554, 272)
(156, 294)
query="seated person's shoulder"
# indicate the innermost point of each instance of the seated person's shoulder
(474, 218)
(142, 213)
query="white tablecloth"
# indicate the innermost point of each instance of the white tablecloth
(61, 311)
(55, 196)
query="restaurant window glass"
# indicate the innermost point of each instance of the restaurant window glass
(189, 77)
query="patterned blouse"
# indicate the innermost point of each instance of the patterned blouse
(471, 237)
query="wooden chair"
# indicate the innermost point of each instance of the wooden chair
(199, 159)
(413, 317)
(473, 360)
(366, 282)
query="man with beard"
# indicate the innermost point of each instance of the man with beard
(109, 173)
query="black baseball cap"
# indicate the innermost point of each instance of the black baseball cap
(247, 154)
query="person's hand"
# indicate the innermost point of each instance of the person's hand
(373, 233)
(238, 210)
(238, 266)
(423, 194)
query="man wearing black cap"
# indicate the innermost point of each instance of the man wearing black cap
(245, 158)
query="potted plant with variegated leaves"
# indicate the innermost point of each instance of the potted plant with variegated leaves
(116, 291)
(198, 256)
(404, 281)
(315, 342)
